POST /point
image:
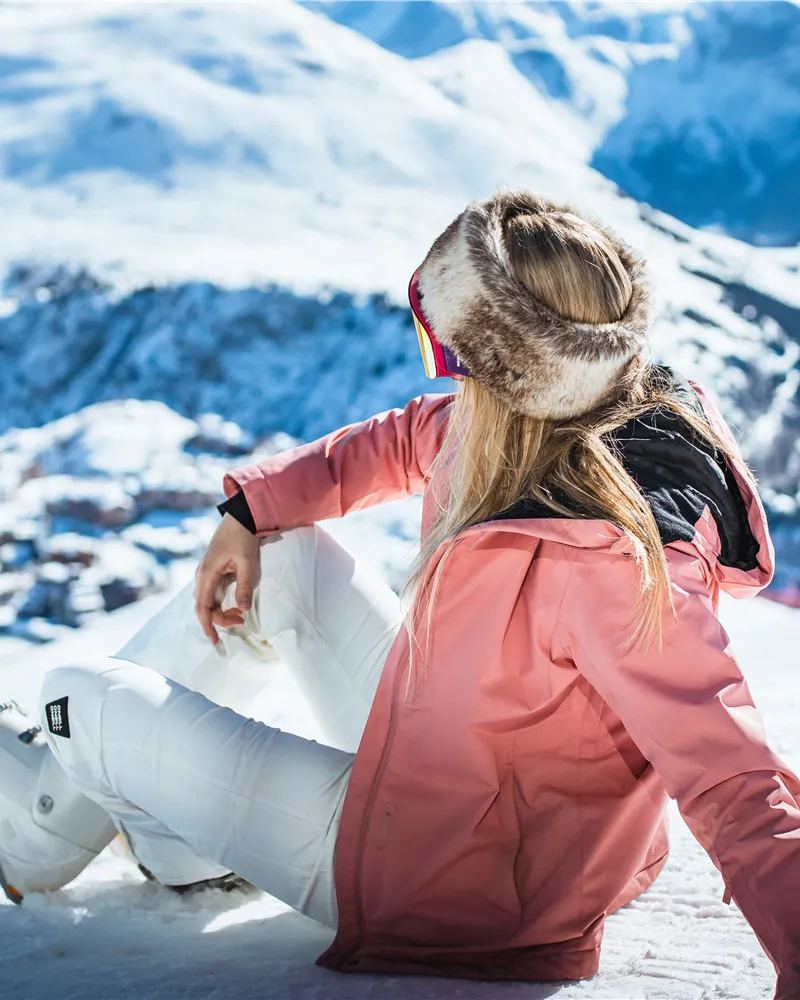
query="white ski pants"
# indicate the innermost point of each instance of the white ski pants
(199, 790)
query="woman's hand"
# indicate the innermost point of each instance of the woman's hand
(232, 554)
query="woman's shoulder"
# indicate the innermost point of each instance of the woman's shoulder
(682, 477)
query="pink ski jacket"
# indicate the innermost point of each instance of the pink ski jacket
(514, 797)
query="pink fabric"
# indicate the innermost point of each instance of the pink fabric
(356, 466)
(504, 804)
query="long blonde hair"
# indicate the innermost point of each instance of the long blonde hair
(496, 456)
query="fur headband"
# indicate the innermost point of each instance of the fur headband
(533, 359)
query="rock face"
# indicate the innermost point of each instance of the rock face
(346, 358)
(242, 364)
(103, 504)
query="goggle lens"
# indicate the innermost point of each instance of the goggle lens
(439, 361)
(426, 348)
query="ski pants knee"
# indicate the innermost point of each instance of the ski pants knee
(199, 789)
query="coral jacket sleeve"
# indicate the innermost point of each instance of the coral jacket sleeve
(690, 712)
(383, 458)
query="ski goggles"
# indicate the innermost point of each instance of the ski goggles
(439, 361)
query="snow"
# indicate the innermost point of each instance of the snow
(726, 154)
(110, 933)
(659, 96)
(294, 149)
(367, 162)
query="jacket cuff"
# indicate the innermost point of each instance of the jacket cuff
(250, 481)
(238, 508)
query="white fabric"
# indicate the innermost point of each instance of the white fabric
(330, 619)
(49, 831)
(199, 789)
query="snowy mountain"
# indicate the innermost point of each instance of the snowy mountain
(691, 107)
(289, 149)
(98, 508)
(218, 208)
(712, 134)
(97, 505)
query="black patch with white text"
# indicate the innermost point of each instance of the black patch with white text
(58, 717)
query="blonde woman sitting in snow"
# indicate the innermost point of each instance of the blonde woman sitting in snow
(500, 748)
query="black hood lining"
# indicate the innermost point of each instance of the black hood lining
(679, 474)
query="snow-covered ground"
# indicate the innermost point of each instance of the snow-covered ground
(113, 935)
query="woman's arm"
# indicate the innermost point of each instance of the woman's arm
(690, 712)
(365, 463)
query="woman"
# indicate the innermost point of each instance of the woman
(560, 670)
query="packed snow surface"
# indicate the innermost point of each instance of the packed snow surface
(111, 934)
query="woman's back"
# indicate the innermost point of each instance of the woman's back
(562, 670)
(516, 808)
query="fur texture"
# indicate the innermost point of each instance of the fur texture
(535, 360)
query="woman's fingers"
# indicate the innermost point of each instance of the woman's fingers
(246, 573)
(233, 553)
(227, 619)
(204, 606)
(207, 609)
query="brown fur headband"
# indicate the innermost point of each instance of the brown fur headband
(533, 359)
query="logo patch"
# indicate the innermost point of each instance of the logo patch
(58, 717)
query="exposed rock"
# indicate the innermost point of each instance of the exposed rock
(15, 527)
(165, 543)
(96, 501)
(14, 555)
(38, 630)
(69, 547)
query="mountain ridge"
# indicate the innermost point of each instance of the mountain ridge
(220, 210)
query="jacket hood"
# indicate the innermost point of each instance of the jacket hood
(696, 495)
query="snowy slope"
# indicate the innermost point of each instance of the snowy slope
(700, 140)
(289, 148)
(110, 934)
(691, 107)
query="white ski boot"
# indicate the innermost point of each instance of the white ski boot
(49, 831)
